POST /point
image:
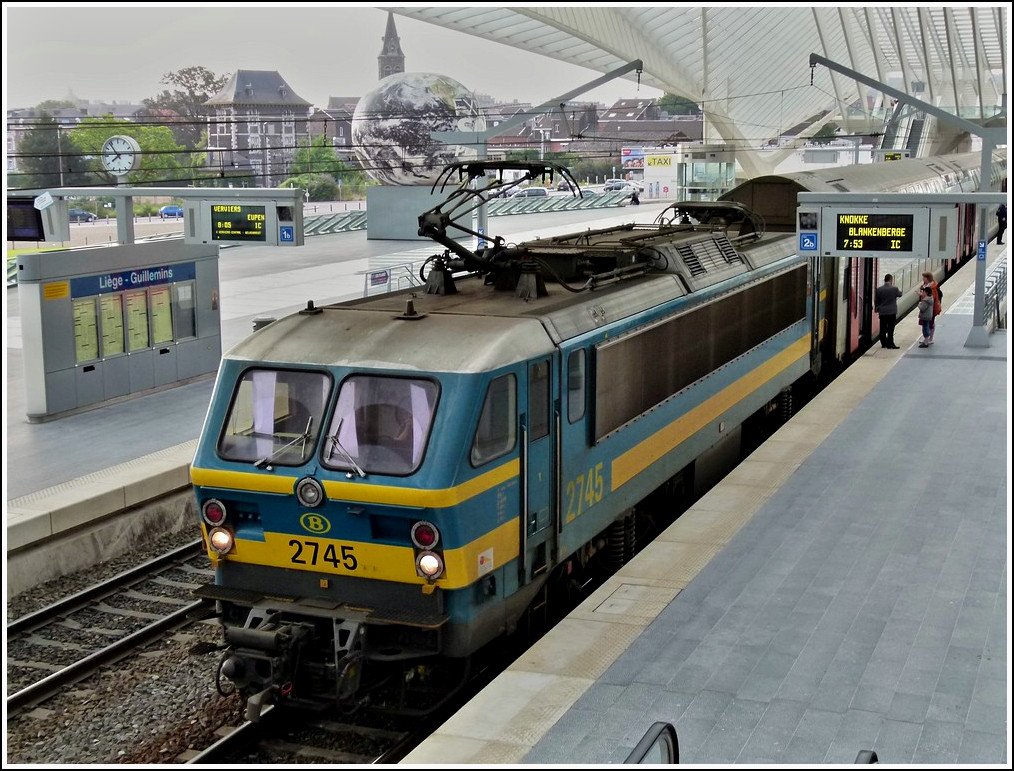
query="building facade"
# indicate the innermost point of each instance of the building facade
(255, 127)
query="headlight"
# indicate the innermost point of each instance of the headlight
(429, 565)
(309, 492)
(213, 512)
(220, 540)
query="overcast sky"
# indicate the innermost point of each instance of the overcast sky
(121, 52)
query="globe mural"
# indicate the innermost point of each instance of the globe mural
(392, 124)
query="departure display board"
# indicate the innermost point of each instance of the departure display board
(111, 308)
(137, 320)
(86, 330)
(867, 231)
(161, 315)
(238, 222)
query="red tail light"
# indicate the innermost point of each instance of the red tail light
(213, 511)
(425, 535)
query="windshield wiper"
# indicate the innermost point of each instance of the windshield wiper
(301, 438)
(348, 456)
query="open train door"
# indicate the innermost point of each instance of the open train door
(860, 287)
(875, 278)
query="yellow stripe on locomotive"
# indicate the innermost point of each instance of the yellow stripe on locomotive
(385, 494)
(338, 557)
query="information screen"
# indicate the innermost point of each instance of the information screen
(860, 232)
(236, 222)
(24, 221)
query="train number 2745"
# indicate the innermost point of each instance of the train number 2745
(584, 491)
(308, 553)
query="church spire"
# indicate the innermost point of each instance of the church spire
(391, 59)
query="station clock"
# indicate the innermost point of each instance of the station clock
(120, 155)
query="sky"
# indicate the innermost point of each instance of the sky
(121, 52)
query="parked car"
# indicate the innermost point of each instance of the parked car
(80, 215)
(622, 184)
(170, 211)
(530, 192)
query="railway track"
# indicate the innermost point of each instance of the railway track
(61, 644)
(284, 737)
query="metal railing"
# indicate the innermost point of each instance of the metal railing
(390, 279)
(658, 746)
(996, 297)
(343, 222)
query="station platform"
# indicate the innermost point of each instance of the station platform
(845, 589)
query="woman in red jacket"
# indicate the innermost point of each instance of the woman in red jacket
(931, 285)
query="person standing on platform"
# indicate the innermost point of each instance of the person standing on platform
(926, 316)
(1001, 222)
(933, 289)
(885, 301)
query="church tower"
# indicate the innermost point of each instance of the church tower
(391, 59)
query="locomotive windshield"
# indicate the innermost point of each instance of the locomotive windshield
(275, 417)
(381, 424)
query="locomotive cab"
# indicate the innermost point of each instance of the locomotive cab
(345, 510)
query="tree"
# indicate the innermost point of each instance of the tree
(317, 168)
(316, 156)
(54, 104)
(183, 107)
(678, 105)
(321, 187)
(162, 160)
(48, 157)
(39, 161)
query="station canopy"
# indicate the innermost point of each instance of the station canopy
(748, 66)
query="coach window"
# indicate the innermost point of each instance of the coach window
(496, 433)
(575, 386)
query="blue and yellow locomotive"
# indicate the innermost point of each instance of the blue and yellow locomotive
(390, 484)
